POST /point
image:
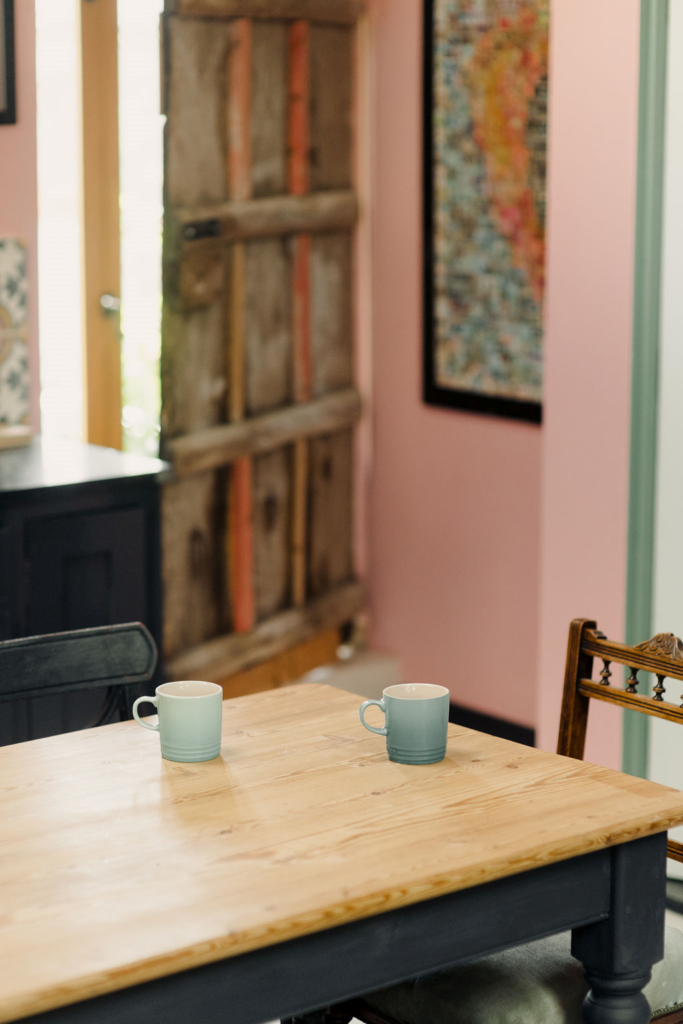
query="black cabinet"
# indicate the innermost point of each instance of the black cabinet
(79, 546)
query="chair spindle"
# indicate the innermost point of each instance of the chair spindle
(659, 689)
(633, 681)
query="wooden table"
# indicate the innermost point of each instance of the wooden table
(302, 867)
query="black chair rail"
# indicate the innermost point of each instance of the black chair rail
(82, 659)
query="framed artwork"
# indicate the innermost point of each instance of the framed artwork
(8, 106)
(485, 92)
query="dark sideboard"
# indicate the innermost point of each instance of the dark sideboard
(79, 547)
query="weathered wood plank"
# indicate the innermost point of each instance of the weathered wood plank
(268, 108)
(195, 143)
(284, 668)
(219, 446)
(331, 94)
(268, 326)
(191, 566)
(222, 656)
(330, 502)
(301, 320)
(239, 110)
(340, 12)
(299, 522)
(272, 494)
(299, 184)
(331, 312)
(197, 279)
(261, 218)
(193, 380)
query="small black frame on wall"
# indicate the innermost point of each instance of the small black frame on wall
(8, 102)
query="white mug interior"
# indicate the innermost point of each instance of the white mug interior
(415, 691)
(189, 688)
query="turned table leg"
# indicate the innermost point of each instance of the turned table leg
(618, 953)
(617, 1000)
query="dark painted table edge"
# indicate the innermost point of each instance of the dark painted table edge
(348, 960)
(24, 475)
(65, 490)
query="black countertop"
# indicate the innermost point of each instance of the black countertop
(49, 462)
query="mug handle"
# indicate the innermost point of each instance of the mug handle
(366, 704)
(141, 700)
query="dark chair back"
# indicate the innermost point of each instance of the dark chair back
(116, 657)
(662, 656)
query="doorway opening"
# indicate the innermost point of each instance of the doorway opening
(62, 285)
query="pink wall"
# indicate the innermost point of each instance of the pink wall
(455, 498)
(592, 179)
(18, 175)
(486, 535)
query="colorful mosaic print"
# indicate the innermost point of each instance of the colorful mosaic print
(13, 327)
(488, 151)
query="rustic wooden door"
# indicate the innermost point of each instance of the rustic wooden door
(258, 396)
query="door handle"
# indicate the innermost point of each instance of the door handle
(111, 304)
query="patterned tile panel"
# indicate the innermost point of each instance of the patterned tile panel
(14, 382)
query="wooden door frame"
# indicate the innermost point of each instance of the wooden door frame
(100, 222)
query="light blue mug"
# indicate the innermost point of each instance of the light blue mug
(416, 722)
(190, 719)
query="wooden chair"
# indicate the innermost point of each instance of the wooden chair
(662, 656)
(119, 658)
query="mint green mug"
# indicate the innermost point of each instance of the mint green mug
(190, 719)
(416, 722)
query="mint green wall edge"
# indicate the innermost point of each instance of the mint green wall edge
(654, 18)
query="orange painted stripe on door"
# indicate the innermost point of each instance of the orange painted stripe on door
(240, 501)
(298, 135)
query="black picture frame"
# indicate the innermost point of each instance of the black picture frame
(8, 111)
(432, 392)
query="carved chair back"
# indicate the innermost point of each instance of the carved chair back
(118, 658)
(662, 656)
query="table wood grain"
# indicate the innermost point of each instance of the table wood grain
(117, 866)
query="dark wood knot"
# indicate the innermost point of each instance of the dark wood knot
(270, 507)
(198, 551)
